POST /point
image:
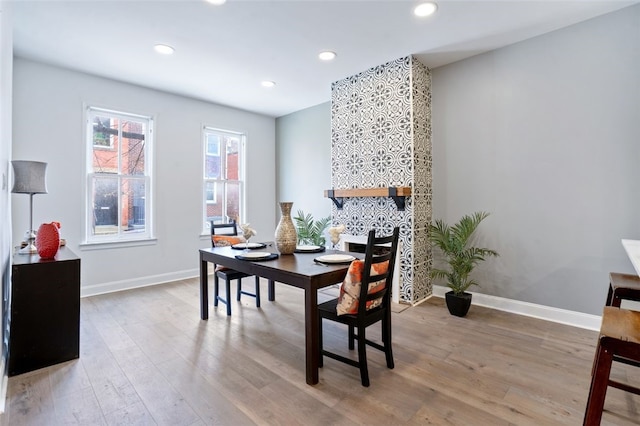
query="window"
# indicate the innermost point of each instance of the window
(223, 176)
(118, 176)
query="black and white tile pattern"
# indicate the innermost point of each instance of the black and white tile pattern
(381, 137)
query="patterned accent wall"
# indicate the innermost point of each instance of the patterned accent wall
(381, 137)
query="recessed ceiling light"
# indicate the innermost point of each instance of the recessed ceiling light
(216, 2)
(268, 83)
(327, 55)
(425, 9)
(164, 49)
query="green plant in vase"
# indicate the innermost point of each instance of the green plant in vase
(311, 231)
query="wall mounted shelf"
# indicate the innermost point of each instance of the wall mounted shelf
(398, 193)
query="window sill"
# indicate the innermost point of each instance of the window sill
(117, 244)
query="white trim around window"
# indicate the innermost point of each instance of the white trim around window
(119, 178)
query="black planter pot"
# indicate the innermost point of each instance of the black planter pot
(458, 305)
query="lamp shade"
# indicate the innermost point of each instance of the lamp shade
(29, 177)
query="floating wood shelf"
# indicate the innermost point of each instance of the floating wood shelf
(398, 193)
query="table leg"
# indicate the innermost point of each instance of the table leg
(311, 337)
(272, 291)
(204, 288)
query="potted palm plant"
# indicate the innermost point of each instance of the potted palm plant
(311, 231)
(454, 242)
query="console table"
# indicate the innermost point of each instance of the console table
(44, 311)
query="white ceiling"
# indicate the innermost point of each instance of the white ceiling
(224, 52)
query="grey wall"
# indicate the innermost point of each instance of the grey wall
(544, 135)
(303, 154)
(6, 63)
(47, 124)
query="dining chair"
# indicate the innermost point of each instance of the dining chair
(226, 234)
(365, 299)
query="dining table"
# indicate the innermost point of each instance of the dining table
(299, 270)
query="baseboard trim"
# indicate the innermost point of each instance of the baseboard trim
(110, 287)
(548, 313)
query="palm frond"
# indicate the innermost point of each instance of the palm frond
(453, 241)
(310, 230)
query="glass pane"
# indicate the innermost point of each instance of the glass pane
(233, 201)
(213, 145)
(233, 158)
(105, 206)
(132, 211)
(214, 204)
(105, 144)
(133, 147)
(102, 132)
(133, 205)
(212, 157)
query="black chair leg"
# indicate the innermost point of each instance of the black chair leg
(362, 357)
(352, 337)
(216, 284)
(386, 340)
(239, 289)
(257, 291)
(216, 293)
(227, 286)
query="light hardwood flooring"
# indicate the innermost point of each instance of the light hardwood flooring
(147, 358)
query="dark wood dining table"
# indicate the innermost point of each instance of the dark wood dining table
(297, 270)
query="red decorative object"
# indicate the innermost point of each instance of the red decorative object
(48, 240)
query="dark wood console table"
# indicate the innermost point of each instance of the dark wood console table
(44, 311)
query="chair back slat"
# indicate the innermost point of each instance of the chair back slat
(374, 256)
(230, 228)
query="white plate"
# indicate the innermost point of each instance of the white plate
(307, 248)
(247, 245)
(255, 254)
(335, 258)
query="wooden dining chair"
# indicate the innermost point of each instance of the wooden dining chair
(227, 234)
(365, 299)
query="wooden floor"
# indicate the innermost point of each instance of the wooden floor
(147, 358)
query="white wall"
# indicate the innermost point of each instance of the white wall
(544, 134)
(304, 159)
(47, 124)
(6, 61)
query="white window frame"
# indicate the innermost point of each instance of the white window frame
(90, 238)
(206, 229)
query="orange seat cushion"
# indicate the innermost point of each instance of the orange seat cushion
(226, 240)
(350, 287)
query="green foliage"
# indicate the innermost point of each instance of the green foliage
(453, 242)
(311, 231)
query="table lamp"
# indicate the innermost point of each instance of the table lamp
(29, 178)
